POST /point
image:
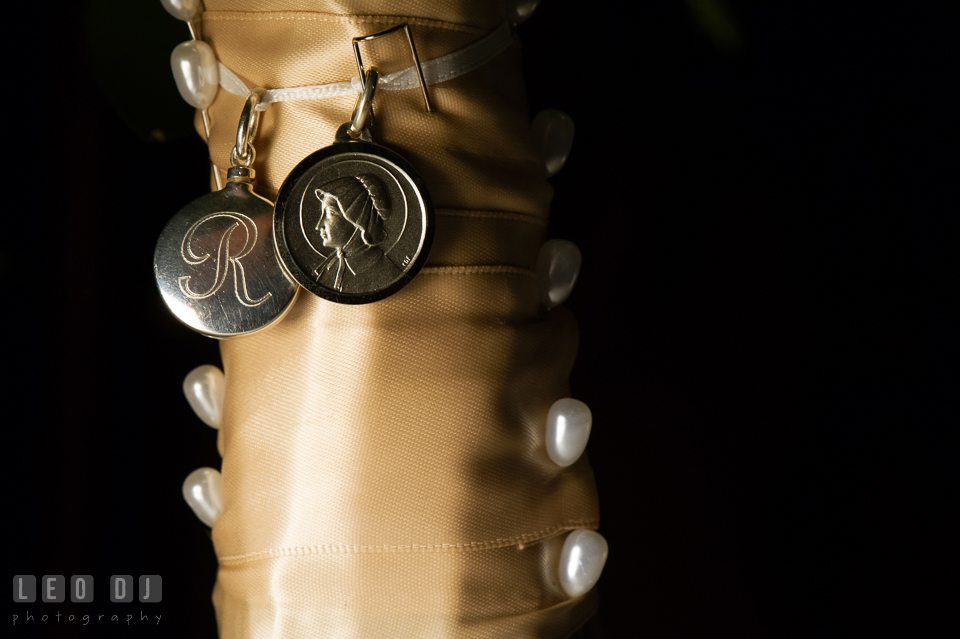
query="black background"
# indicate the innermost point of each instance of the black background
(765, 195)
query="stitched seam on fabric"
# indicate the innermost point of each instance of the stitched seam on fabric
(243, 16)
(327, 549)
(501, 215)
(477, 270)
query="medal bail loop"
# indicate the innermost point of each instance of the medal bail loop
(364, 105)
(243, 152)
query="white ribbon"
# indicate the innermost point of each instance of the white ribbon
(437, 70)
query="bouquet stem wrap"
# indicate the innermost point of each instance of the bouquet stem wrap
(384, 468)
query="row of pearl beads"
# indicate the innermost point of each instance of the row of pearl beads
(195, 66)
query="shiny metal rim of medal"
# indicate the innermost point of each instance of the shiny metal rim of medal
(354, 222)
(215, 262)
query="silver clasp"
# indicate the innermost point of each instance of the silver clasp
(413, 50)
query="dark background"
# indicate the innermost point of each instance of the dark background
(767, 305)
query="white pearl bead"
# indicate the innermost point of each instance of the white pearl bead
(197, 73)
(203, 490)
(181, 9)
(204, 387)
(552, 132)
(581, 561)
(558, 266)
(568, 429)
(521, 10)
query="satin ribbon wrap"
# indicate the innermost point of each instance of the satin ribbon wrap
(384, 467)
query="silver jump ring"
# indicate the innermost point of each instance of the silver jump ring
(245, 160)
(364, 103)
(243, 153)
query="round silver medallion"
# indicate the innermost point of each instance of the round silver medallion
(353, 222)
(215, 263)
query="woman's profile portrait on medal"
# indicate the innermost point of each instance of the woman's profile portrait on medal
(353, 223)
(353, 212)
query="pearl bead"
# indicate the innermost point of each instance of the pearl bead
(521, 10)
(581, 561)
(181, 9)
(558, 265)
(552, 132)
(203, 490)
(197, 73)
(204, 387)
(568, 429)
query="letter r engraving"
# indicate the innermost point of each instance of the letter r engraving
(225, 262)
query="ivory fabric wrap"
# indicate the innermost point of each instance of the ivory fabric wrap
(384, 467)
